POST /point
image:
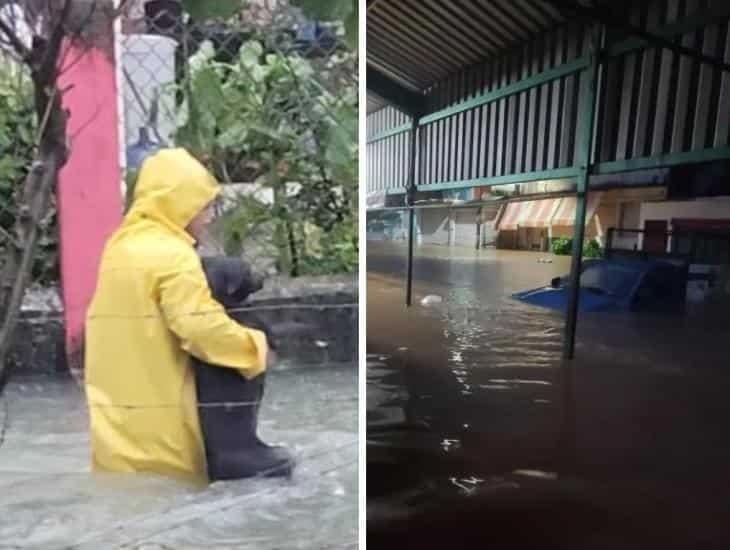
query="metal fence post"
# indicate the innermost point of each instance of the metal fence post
(410, 199)
(585, 138)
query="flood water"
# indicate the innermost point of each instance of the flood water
(479, 432)
(49, 500)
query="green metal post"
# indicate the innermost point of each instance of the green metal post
(409, 277)
(585, 138)
(410, 199)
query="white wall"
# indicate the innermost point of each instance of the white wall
(629, 217)
(711, 209)
(708, 209)
(465, 227)
(434, 226)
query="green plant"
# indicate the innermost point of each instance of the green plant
(562, 246)
(18, 128)
(592, 249)
(277, 120)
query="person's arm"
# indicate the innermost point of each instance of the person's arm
(204, 328)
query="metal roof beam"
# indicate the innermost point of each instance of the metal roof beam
(605, 16)
(407, 101)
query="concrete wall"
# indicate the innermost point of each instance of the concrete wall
(316, 318)
(465, 227)
(629, 217)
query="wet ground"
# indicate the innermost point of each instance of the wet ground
(49, 500)
(478, 433)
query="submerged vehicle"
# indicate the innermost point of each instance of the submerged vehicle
(613, 285)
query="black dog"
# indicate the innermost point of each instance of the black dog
(229, 403)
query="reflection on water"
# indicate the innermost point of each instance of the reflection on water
(469, 398)
(49, 500)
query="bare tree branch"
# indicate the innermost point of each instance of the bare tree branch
(53, 47)
(119, 10)
(85, 22)
(21, 49)
(10, 238)
(46, 115)
(32, 10)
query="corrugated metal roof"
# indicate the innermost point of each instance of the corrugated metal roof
(375, 103)
(419, 42)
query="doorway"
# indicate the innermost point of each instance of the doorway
(655, 236)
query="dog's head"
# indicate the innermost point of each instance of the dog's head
(231, 280)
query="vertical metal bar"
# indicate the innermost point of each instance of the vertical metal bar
(722, 130)
(410, 199)
(409, 278)
(586, 148)
(609, 242)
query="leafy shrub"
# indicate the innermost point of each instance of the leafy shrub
(563, 246)
(270, 118)
(17, 146)
(592, 249)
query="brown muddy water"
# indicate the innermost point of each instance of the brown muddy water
(479, 434)
(50, 501)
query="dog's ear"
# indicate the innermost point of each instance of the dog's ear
(216, 273)
(254, 280)
(240, 283)
(233, 288)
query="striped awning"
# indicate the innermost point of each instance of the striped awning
(539, 213)
(511, 216)
(566, 211)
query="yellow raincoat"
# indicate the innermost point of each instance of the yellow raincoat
(152, 308)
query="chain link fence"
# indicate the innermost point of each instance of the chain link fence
(268, 100)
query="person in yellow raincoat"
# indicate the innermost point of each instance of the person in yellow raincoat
(152, 309)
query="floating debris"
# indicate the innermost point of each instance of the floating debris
(467, 485)
(431, 299)
(494, 387)
(449, 444)
(519, 381)
(536, 473)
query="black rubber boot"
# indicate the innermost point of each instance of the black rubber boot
(228, 410)
(229, 404)
(276, 453)
(277, 450)
(253, 462)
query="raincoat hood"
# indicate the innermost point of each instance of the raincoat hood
(172, 188)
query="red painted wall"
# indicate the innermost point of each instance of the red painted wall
(89, 189)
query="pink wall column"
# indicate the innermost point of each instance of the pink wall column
(89, 189)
